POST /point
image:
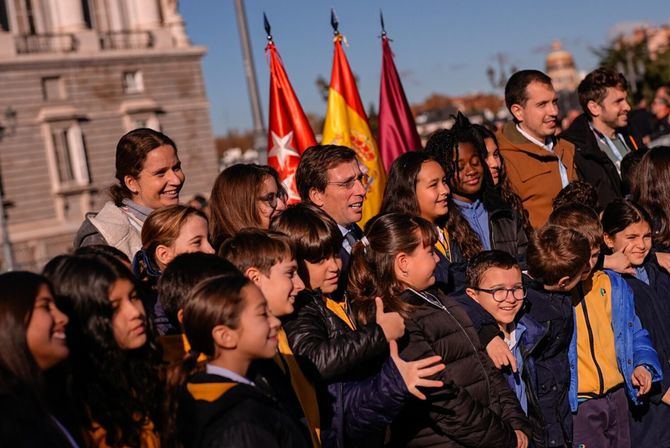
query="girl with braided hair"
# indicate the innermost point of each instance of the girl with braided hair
(495, 222)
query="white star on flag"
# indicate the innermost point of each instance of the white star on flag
(281, 149)
(288, 186)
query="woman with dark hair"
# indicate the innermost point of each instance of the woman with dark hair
(32, 336)
(496, 165)
(149, 176)
(496, 223)
(417, 185)
(244, 196)
(114, 384)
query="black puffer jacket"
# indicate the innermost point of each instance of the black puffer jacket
(216, 412)
(507, 233)
(476, 407)
(329, 345)
(360, 390)
(593, 165)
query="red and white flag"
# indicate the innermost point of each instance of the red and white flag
(289, 133)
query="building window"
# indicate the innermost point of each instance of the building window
(4, 17)
(133, 82)
(69, 150)
(53, 88)
(142, 120)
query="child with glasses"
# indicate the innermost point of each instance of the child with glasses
(494, 282)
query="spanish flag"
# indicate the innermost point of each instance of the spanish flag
(347, 125)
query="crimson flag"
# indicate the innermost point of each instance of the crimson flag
(397, 129)
(289, 133)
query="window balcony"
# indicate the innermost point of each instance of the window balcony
(126, 40)
(45, 43)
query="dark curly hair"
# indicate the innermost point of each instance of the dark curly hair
(117, 389)
(443, 144)
(578, 192)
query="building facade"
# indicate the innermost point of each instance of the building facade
(75, 75)
(561, 68)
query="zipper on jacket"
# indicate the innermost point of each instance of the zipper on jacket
(589, 330)
(441, 306)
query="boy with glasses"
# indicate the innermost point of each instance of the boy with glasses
(494, 282)
(557, 258)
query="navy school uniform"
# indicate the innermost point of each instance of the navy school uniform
(650, 422)
(217, 411)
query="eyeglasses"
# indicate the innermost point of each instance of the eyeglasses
(363, 178)
(501, 294)
(272, 199)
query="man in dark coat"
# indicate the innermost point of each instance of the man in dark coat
(600, 134)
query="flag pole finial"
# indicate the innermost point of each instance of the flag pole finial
(381, 19)
(334, 22)
(268, 29)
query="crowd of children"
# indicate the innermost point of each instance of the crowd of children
(447, 321)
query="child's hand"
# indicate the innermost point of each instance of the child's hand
(663, 259)
(619, 262)
(392, 324)
(642, 380)
(500, 354)
(414, 372)
(521, 439)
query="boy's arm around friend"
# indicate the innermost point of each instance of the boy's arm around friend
(455, 412)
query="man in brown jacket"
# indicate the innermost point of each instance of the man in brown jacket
(538, 163)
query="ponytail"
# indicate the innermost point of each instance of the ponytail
(362, 285)
(372, 272)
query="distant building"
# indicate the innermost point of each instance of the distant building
(75, 75)
(560, 66)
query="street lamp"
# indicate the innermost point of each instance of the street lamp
(7, 127)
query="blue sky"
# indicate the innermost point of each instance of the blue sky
(440, 46)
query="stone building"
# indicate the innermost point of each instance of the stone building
(75, 75)
(561, 68)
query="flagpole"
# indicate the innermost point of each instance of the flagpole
(260, 136)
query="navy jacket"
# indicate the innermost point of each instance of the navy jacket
(554, 311)
(649, 422)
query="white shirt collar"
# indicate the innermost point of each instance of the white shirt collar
(221, 371)
(548, 144)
